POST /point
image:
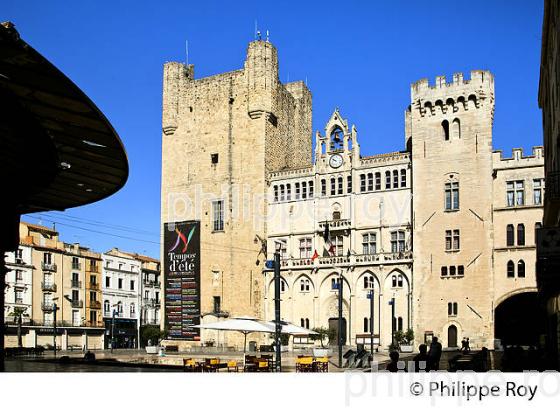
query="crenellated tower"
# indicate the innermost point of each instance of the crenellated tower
(449, 130)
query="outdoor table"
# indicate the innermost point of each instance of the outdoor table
(304, 364)
(321, 364)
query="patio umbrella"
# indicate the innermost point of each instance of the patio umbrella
(244, 324)
(291, 329)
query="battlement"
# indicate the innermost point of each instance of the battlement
(479, 78)
(517, 158)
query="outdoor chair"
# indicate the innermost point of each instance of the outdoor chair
(232, 366)
(321, 364)
(304, 364)
(190, 365)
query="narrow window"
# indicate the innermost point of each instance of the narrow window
(362, 183)
(288, 192)
(521, 269)
(510, 194)
(340, 186)
(537, 191)
(214, 158)
(456, 128)
(400, 281)
(538, 226)
(448, 240)
(444, 271)
(456, 240)
(349, 184)
(369, 244)
(378, 181)
(445, 129)
(510, 269)
(452, 271)
(307, 323)
(403, 178)
(366, 323)
(394, 281)
(387, 180)
(451, 196)
(323, 187)
(275, 193)
(311, 193)
(400, 324)
(510, 241)
(218, 213)
(370, 182)
(519, 193)
(217, 304)
(333, 186)
(297, 190)
(282, 193)
(520, 235)
(461, 270)
(395, 178)
(304, 190)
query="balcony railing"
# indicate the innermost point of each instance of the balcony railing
(336, 224)
(94, 286)
(51, 267)
(48, 286)
(354, 259)
(59, 323)
(92, 268)
(77, 303)
(47, 306)
(153, 283)
(76, 265)
(95, 304)
(76, 283)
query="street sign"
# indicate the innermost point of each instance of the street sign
(269, 264)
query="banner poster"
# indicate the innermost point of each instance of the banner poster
(181, 269)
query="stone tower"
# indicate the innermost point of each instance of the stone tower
(222, 135)
(449, 129)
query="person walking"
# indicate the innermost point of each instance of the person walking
(421, 360)
(434, 355)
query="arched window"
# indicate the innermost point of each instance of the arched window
(333, 186)
(445, 129)
(307, 323)
(297, 189)
(368, 282)
(106, 306)
(349, 184)
(288, 192)
(387, 180)
(304, 190)
(120, 307)
(275, 193)
(461, 102)
(456, 128)
(337, 139)
(362, 182)
(378, 181)
(510, 241)
(340, 186)
(472, 101)
(282, 193)
(400, 281)
(450, 105)
(323, 187)
(520, 235)
(538, 226)
(400, 324)
(370, 182)
(311, 193)
(394, 281)
(282, 285)
(428, 108)
(403, 178)
(366, 324)
(395, 178)
(521, 269)
(132, 309)
(302, 322)
(510, 269)
(444, 271)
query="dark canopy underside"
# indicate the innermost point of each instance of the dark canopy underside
(57, 150)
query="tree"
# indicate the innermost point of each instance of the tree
(322, 334)
(17, 313)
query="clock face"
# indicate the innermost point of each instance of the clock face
(335, 161)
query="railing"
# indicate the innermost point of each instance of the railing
(98, 323)
(94, 286)
(76, 265)
(48, 266)
(152, 283)
(19, 261)
(76, 284)
(95, 304)
(552, 183)
(337, 224)
(150, 322)
(59, 323)
(77, 303)
(357, 259)
(48, 287)
(47, 306)
(92, 268)
(151, 302)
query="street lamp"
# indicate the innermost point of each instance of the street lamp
(55, 308)
(113, 327)
(370, 296)
(278, 326)
(340, 287)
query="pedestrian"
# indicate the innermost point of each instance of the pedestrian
(467, 345)
(434, 355)
(393, 365)
(421, 359)
(463, 345)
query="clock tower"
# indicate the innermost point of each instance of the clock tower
(338, 149)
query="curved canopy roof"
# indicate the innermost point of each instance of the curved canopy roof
(57, 149)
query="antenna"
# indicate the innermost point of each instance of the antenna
(187, 51)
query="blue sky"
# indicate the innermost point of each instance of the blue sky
(360, 56)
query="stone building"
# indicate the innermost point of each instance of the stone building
(548, 249)
(444, 227)
(222, 135)
(59, 276)
(121, 298)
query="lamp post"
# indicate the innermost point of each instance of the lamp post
(370, 296)
(392, 303)
(54, 325)
(278, 326)
(340, 286)
(113, 329)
